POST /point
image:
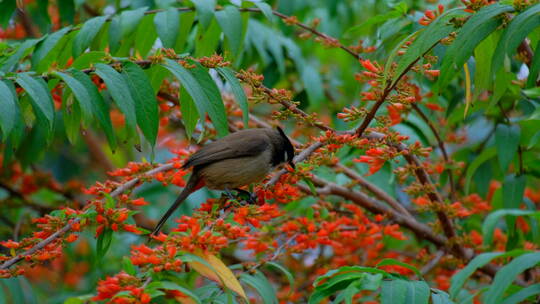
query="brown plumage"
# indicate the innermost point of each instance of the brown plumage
(236, 160)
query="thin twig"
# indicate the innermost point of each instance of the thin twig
(121, 189)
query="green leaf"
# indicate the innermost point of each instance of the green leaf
(231, 23)
(80, 93)
(507, 141)
(104, 243)
(458, 280)
(520, 26)
(99, 107)
(476, 29)
(532, 93)
(513, 189)
(146, 107)
(119, 90)
(167, 24)
(41, 98)
(205, 11)
(45, 47)
(23, 49)
(88, 59)
(313, 85)
(478, 161)
(440, 297)
(522, 295)
(208, 40)
(7, 8)
(266, 9)
(336, 283)
(259, 282)
(482, 56)
(128, 266)
(130, 19)
(507, 274)
(173, 286)
(186, 21)
(502, 82)
(66, 8)
(284, 270)
(71, 114)
(204, 92)
(493, 218)
(364, 27)
(10, 112)
(146, 36)
(88, 32)
(427, 38)
(189, 112)
(389, 261)
(399, 291)
(534, 69)
(237, 90)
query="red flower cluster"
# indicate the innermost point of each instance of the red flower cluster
(122, 289)
(430, 15)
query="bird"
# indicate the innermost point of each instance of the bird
(238, 159)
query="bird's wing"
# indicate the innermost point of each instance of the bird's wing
(236, 145)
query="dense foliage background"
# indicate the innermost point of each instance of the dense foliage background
(416, 125)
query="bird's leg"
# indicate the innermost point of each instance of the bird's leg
(251, 197)
(229, 194)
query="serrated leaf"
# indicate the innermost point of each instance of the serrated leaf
(389, 261)
(493, 218)
(20, 53)
(66, 8)
(476, 29)
(41, 98)
(80, 93)
(205, 11)
(119, 90)
(167, 24)
(208, 39)
(263, 287)
(230, 21)
(104, 243)
(7, 9)
(146, 36)
(87, 33)
(427, 38)
(520, 26)
(173, 286)
(522, 295)
(10, 109)
(204, 92)
(146, 107)
(186, 22)
(458, 280)
(507, 274)
(99, 106)
(237, 90)
(43, 49)
(507, 141)
(71, 114)
(284, 270)
(478, 161)
(399, 291)
(219, 272)
(88, 59)
(190, 116)
(266, 9)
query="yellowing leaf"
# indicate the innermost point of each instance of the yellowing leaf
(219, 272)
(468, 98)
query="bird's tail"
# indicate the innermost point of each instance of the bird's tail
(193, 184)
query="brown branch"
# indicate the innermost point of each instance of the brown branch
(440, 143)
(378, 192)
(121, 189)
